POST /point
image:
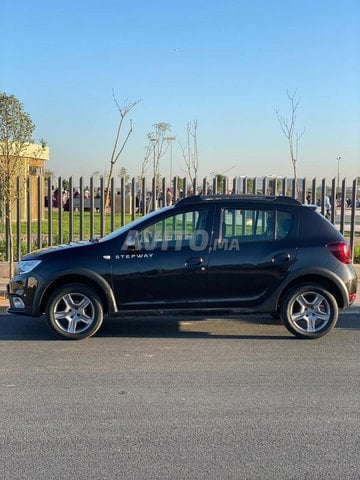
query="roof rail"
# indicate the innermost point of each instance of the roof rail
(190, 200)
(194, 199)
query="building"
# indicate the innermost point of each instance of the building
(32, 171)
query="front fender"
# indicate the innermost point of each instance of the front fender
(79, 275)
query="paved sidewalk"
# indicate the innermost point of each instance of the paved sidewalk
(3, 300)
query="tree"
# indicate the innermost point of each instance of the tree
(146, 163)
(123, 173)
(65, 184)
(156, 148)
(118, 149)
(288, 127)
(190, 153)
(180, 183)
(49, 173)
(220, 179)
(16, 129)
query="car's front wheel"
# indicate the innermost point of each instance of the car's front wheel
(309, 311)
(74, 311)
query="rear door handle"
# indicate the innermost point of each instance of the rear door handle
(281, 257)
(195, 263)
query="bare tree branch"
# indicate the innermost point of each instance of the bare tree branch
(288, 127)
(117, 151)
(158, 145)
(191, 156)
(146, 162)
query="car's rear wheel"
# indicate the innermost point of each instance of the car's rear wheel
(309, 311)
(74, 311)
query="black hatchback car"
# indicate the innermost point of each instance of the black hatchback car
(252, 253)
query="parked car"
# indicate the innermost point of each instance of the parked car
(252, 253)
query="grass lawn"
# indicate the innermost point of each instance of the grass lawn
(65, 221)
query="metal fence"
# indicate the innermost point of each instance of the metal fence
(45, 213)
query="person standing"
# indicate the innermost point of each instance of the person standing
(169, 197)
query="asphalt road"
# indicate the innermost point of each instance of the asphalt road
(164, 399)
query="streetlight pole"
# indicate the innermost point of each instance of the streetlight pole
(154, 141)
(338, 175)
(170, 140)
(154, 159)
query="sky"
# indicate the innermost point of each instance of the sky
(226, 64)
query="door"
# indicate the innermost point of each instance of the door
(253, 252)
(164, 267)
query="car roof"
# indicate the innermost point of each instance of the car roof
(198, 199)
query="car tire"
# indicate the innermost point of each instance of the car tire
(309, 311)
(74, 312)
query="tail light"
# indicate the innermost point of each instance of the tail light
(341, 251)
(352, 298)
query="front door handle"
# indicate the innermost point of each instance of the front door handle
(281, 257)
(195, 263)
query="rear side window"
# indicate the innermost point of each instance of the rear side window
(254, 224)
(247, 225)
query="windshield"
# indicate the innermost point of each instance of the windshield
(133, 225)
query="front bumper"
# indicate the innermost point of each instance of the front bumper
(21, 293)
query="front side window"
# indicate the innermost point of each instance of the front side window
(186, 229)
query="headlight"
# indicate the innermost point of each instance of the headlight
(26, 266)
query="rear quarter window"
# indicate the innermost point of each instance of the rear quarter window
(284, 222)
